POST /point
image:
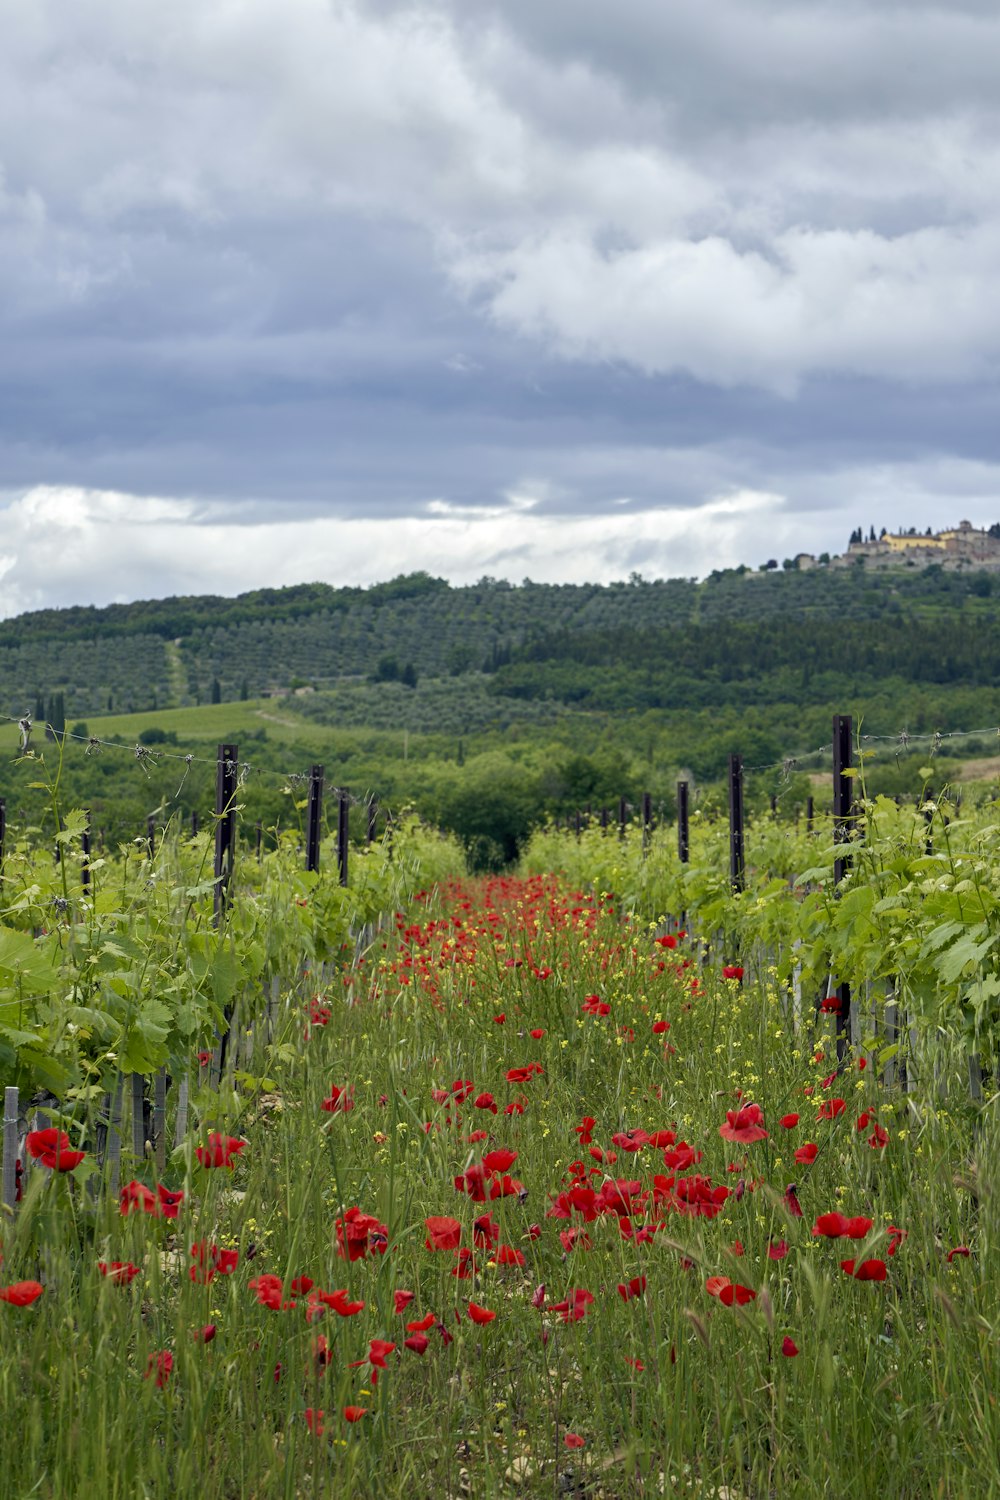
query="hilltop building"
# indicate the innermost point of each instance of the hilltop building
(965, 546)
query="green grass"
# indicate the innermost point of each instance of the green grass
(893, 1389)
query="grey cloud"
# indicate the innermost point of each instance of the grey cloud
(361, 259)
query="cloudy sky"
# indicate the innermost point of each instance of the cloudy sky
(300, 289)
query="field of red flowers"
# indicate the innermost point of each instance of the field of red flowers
(534, 1200)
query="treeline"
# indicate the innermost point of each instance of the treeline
(177, 652)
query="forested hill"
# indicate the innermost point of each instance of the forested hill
(636, 644)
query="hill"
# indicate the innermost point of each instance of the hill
(413, 689)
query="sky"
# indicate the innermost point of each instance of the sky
(297, 290)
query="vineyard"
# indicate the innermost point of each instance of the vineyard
(588, 1180)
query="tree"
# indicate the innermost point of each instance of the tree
(408, 676)
(387, 670)
(491, 806)
(216, 693)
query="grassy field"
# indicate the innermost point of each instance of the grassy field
(528, 1203)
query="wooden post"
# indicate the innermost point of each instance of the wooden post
(647, 820)
(737, 862)
(809, 815)
(314, 811)
(843, 799)
(160, 1119)
(343, 834)
(683, 836)
(194, 825)
(225, 824)
(372, 819)
(259, 839)
(10, 1142)
(774, 805)
(577, 822)
(114, 1152)
(151, 836)
(180, 1124)
(622, 816)
(138, 1116)
(604, 820)
(85, 850)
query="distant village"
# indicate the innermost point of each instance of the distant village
(964, 547)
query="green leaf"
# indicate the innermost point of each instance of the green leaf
(25, 961)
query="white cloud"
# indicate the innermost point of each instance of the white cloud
(65, 545)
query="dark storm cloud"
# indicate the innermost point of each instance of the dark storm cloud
(504, 267)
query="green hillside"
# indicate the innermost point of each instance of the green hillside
(563, 696)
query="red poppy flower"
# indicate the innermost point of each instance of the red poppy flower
(729, 1292)
(485, 1101)
(792, 1203)
(593, 1005)
(666, 941)
(830, 1005)
(160, 1366)
(443, 1233)
(499, 1160)
(789, 1122)
(340, 1301)
(789, 1348)
(574, 1440)
(584, 1129)
(205, 1335)
(959, 1250)
(574, 1307)
(121, 1272)
(838, 1226)
(314, 1421)
(465, 1265)
(355, 1413)
(378, 1351)
(895, 1237)
(169, 1201)
(806, 1155)
(777, 1250)
(508, 1255)
(135, 1195)
(659, 1027)
(417, 1343)
(869, 1270)
(340, 1100)
(480, 1314)
(220, 1150)
(21, 1293)
(51, 1148)
(732, 971)
(879, 1138)
(209, 1260)
(744, 1125)
(360, 1233)
(422, 1324)
(831, 1108)
(402, 1300)
(634, 1288)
